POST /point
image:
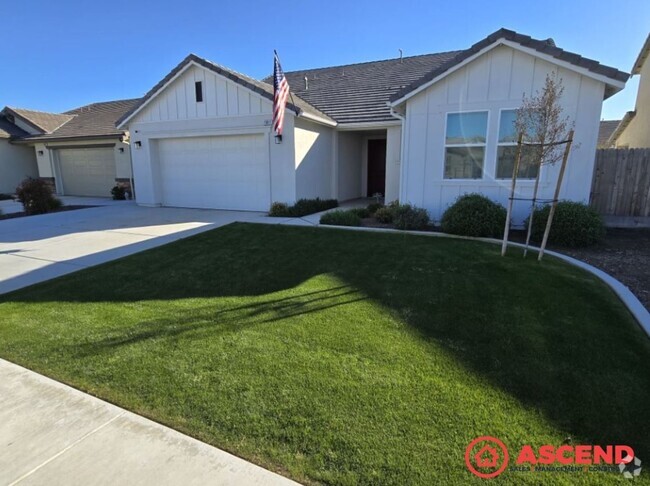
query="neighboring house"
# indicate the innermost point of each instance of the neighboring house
(421, 129)
(79, 152)
(634, 129)
(607, 128)
(16, 162)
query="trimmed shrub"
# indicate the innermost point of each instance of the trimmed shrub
(279, 209)
(407, 217)
(361, 212)
(384, 215)
(36, 196)
(373, 207)
(5, 197)
(303, 207)
(574, 224)
(341, 218)
(474, 215)
(118, 193)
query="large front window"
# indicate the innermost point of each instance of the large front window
(465, 145)
(507, 150)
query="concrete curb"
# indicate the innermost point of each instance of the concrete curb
(633, 304)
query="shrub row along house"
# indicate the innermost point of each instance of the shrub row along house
(422, 129)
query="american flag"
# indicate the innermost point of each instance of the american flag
(280, 93)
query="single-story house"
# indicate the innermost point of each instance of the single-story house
(79, 152)
(16, 162)
(633, 131)
(421, 129)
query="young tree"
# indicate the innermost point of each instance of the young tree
(540, 119)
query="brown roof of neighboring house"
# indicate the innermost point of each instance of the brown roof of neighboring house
(622, 125)
(259, 87)
(643, 55)
(546, 46)
(605, 131)
(40, 120)
(9, 130)
(96, 120)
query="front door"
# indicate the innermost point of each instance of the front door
(376, 167)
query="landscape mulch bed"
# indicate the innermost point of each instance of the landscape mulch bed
(60, 210)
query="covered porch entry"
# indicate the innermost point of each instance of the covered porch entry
(368, 163)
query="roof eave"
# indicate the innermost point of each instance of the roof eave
(71, 138)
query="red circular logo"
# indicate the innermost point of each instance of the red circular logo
(486, 457)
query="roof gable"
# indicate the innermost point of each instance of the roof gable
(545, 48)
(9, 130)
(41, 121)
(263, 89)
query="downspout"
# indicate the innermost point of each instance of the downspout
(402, 148)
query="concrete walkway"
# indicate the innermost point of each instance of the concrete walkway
(38, 248)
(53, 434)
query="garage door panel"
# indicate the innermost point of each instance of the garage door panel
(87, 171)
(223, 172)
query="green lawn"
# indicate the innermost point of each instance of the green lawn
(346, 357)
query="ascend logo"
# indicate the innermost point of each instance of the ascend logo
(487, 457)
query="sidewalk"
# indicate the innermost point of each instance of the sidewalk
(53, 434)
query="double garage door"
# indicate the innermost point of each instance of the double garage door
(87, 171)
(223, 172)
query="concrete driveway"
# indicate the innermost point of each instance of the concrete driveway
(37, 248)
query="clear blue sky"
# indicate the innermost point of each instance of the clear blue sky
(58, 55)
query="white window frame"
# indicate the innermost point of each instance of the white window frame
(484, 145)
(506, 144)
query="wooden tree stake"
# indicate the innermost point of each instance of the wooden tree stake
(556, 196)
(515, 171)
(532, 208)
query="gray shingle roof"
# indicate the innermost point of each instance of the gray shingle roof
(546, 46)
(260, 87)
(607, 127)
(95, 120)
(41, 120)
(9, 130)
(357, 93)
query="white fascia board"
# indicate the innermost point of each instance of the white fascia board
(368, 125)
(317, 119)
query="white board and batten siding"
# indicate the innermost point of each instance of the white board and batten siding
(494, 81)
(218, 147)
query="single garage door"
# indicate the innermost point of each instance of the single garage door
(87, 171)
(224, 172)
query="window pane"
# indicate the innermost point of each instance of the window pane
(506, 163)
(464, 162)
(466, 128)
(507, 130)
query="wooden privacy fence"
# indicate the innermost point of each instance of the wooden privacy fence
(621, 185)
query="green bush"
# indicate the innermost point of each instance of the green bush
(119, 193)
(407, 217)
(361, 212)
(474, 215)
(279, 209)
(341, 218)
(574, 225)
(36, 196)
(384, 215)
(302, 207)
(5, 197)
(373, 207)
